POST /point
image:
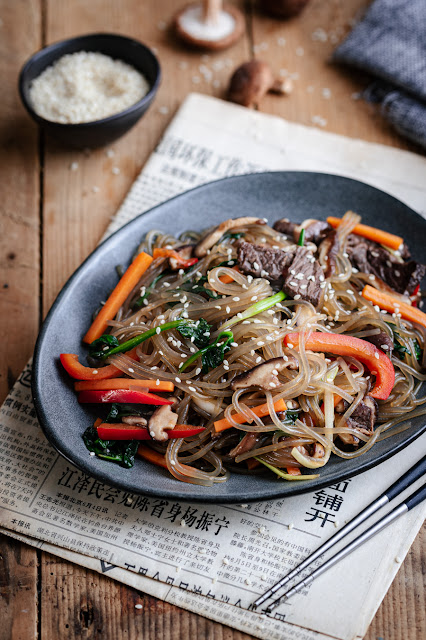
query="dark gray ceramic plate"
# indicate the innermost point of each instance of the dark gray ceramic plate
(296, 195)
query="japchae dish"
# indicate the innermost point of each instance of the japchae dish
(250, 348)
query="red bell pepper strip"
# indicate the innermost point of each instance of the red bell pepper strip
(123, 431)
(171, 253)
(79, 372)
(373, 358)
(415, 296)
(121, 395)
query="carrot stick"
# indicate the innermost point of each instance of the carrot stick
(226, 279)
(252, 463)
(294, 471)
(260, 411)
(97, 422)
(163, 253)
(123, 383)
(152, 456)
(371, 233)
(394, 305)
(127, 282)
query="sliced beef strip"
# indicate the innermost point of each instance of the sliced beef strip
(404, 251)
(380, 340)
(402, 277)
(259, 261)
(315, 231)
(296, 270)
(247, 443)
(302, 277)
(285, 226)
(369, 257)
(363, 418)
(331, 245)
(365, 415)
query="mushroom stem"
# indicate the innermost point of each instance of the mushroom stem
(210, 25)
(282, 86)
(212, 10)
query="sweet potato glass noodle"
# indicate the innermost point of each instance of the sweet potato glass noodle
(316, 383)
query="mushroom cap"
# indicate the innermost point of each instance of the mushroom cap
(249, 82)
(204, 43)
(135, 420)
(264, 375)
(162, 419)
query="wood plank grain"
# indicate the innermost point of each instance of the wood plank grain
(402, 614)
(324, 93)
(18, 589)
(20, 36)
(77, 603)
(19, 210)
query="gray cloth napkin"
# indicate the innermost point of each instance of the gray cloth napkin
(390, 43)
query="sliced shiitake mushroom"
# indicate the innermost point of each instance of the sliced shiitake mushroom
(264, 375)
(215, 235)
(162, 419)
(135, 421)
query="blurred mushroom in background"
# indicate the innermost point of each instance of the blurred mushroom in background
(252, 80)
(209, 25)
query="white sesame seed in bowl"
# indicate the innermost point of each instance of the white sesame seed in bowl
(88, 91)
(86, 86)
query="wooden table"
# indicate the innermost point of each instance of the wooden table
(52, 218)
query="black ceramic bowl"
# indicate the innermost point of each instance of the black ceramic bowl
(98, 132)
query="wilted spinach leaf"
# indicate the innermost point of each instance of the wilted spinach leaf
(231, 236)
(213, 355)
(199, 331)
(140, 301)
(291, 416)
(118, 411)
(98, 347)
(121, 452)
(400, 350)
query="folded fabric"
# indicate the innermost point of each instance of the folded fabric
(390, 43)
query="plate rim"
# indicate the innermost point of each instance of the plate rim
(297, 488)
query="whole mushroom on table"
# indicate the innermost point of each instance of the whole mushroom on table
(252, 80)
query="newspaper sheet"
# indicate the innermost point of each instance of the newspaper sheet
(217, 560)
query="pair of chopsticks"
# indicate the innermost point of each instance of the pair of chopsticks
(405, 481)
